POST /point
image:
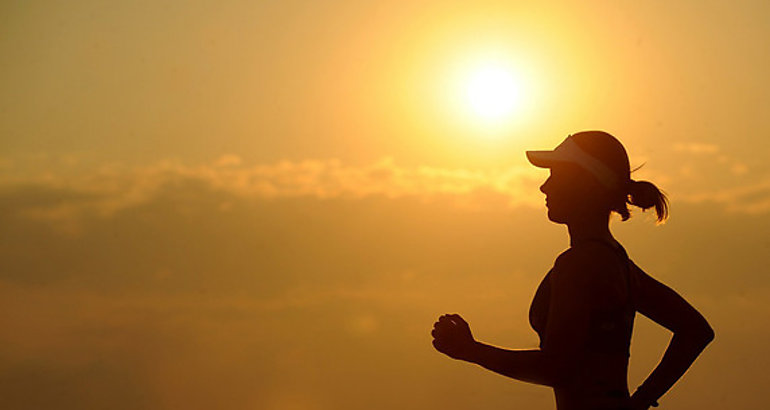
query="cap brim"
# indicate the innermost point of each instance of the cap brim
(542, 159)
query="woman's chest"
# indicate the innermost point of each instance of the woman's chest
(538, 309)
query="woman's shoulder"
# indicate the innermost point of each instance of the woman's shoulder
(591, 259)
(592, 253)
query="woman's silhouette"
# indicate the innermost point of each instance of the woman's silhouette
(583, 310)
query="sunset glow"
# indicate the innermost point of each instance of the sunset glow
(493, 93)
(247, 205)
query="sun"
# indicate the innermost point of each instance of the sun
(490, 95)
(492, 92)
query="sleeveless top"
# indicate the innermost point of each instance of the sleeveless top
(609, 330)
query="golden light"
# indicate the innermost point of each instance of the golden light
(493, 92)
(488, 97)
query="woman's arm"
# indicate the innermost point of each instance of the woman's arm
(531, 366)
(452, 336)
(692, 334)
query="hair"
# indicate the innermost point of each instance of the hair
(645, 195)
(610, 151)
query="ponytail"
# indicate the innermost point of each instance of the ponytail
(646, 195)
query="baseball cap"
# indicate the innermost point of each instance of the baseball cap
(597, 152)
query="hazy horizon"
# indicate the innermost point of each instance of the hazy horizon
(263, 205)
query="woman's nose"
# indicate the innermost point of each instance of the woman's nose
(544, 186)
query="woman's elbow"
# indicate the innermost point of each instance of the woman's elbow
(708, 335)
(701, 335)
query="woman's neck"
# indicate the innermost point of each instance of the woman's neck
(589, 229)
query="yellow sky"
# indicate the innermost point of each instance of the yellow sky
(356, 80)
(264, 205)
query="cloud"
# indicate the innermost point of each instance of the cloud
(64, 191)
(696, 148)
(701, 161)
(753, 199)
(108, 188)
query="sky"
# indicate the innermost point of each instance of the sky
(266, 205)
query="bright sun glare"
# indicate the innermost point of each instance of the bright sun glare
(492, 92)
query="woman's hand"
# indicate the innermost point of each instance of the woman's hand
(452, 336)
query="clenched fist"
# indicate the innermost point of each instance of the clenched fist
(452, 336)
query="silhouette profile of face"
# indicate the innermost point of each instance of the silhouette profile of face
(572, 193)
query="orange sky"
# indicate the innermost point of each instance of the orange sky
(265, 205)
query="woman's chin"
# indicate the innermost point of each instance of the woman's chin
(555, 217)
